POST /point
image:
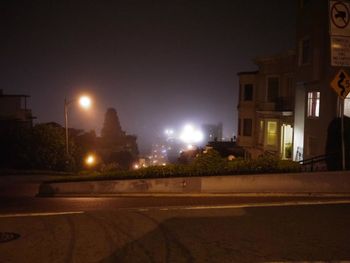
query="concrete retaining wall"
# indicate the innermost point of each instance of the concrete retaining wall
(320, 182)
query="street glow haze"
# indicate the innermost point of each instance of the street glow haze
(157, 63)
(191, 135)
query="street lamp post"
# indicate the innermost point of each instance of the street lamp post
(85, 102)
(66, 123)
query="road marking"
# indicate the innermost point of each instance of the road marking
(252, 205)
(142, 209)
(308, 261)
(207, 195)
(40, 214)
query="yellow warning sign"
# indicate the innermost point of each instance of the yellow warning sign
(341, 84)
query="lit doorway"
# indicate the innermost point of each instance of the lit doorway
(286, 141)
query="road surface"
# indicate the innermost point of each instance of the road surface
(174, 229)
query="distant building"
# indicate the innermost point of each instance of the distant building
(14, 111)
(159, 154)
(212, 132)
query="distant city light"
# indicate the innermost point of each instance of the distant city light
(190, 147)
(136, 166)
(169, 132)
(191, 135)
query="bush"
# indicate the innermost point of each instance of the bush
(205, 164)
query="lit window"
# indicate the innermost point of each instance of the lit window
(313, 104)
(271, 133)
(347, 106)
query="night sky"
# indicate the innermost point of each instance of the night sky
(158, 63)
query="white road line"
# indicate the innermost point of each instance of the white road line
(142, 209)
(308, 261)
(40, 214)
(252, 205)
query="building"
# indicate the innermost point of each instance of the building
(286, 107)
(316, 103)
(14, 111)
(266, 105)
(212, 132)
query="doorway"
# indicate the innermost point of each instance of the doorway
(286, 141)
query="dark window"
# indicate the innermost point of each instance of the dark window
(272, 89)
(303, 3)
(239, 126)
(247, 127)
(248, 92)
(240, 91)
(304, 51)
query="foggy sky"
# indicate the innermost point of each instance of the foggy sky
(158, 63)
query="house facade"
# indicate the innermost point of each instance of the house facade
(14, 111)
(266, 105)
(293, 103)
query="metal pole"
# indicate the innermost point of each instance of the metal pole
(342, 133)
(66, 123)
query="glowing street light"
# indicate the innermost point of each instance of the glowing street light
(90, 160)
(84, 102)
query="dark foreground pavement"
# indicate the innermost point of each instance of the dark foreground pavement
(192, 230)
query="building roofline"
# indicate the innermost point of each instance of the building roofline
(10, 95)
(248, 72)
(285, 54)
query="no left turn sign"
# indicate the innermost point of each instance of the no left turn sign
(339, 14)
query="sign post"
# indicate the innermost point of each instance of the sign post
(339, 13)
(339, 28)
(342, 133)
(341, 85)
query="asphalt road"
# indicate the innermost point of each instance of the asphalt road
(172, 229)
(169, 229)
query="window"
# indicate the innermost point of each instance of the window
(347, 105)
(261, 132)
(304, 51)
(247, 127)
(240, 92)
(303, 3)
(271, 133)
(239, 126)
(290, 87)
(272, 89)
(313, 104)
(248, 92)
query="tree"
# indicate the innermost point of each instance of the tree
(115, 146)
